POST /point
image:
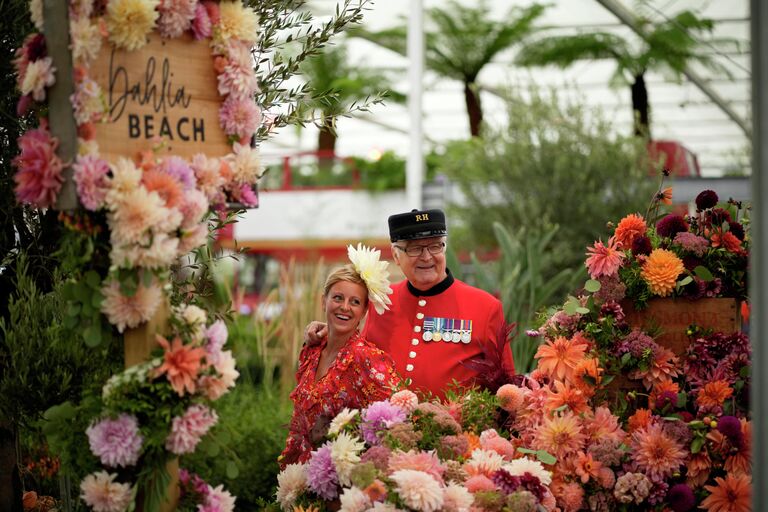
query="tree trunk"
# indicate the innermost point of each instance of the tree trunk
(10, 485)
(326, 143)
(474, 110)
(640, 108)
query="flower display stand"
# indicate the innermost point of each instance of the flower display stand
(673, 316)
(138, 345)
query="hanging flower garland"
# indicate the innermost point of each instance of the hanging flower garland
(156, 411)
(146, 212)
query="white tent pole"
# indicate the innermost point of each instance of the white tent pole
(414, 175)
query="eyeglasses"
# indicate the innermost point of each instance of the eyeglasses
(417, 250)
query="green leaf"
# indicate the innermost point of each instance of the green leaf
(93, 279)
(570, 307)
(592, 285)
(525, 450)
(582, 310)
(625, 359)
(96, 299)
(62, 411)
(545, 457)
(703, 273)
(744, 372)
(682, 400)
(683, 282)
(232, 470)
(213, 450)
(697, 443)
(73, 309)
(92, 335)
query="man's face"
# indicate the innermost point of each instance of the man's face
(426, 267)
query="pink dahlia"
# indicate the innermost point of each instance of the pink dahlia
(201, 24)
(187, 430)
(39, 178)
(101, 492)
(237, 78)
(129, 311)
(405, 399)
(426, 462)
(217, 500)
(604, 260)
(240, 117)
(175, 17)
(116, 442)
(656, 453)
(92, 181)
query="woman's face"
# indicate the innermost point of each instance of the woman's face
(344, 306)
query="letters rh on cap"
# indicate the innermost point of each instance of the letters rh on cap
(422, 217)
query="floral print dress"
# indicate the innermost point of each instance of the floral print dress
(360, 374)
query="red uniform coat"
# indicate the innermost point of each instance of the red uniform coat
(471, 317)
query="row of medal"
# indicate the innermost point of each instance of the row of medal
(447, 329)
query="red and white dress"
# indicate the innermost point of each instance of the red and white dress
(360, 374)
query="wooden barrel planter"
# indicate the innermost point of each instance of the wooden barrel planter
(672, 317)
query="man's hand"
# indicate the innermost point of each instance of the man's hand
(315, 333)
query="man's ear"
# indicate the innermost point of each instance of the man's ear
(395, 254)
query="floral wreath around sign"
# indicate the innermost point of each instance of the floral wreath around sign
(143, 214)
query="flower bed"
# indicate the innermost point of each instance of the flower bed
(674, 435)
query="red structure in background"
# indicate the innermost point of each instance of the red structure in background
(674, 156)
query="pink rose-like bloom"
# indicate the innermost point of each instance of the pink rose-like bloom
(92, 181)
(116, 442)
(479, 483)
(175, 16)
(39, 178)
(103, 494)
(240, 117)
(201, 24)
(187, 430)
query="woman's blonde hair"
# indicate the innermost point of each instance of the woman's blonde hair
(344, 273)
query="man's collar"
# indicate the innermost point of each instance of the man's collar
(435, 290)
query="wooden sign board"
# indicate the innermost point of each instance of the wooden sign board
(166, 89)
(674, 316)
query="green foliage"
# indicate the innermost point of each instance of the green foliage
(42, 366)
(553, 165)
(522, 281)
(253, 422)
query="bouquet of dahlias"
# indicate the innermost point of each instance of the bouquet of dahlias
(677, 438)
(703, 254)
(155, 411)
(403, 454)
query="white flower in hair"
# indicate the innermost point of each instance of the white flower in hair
(375, 274)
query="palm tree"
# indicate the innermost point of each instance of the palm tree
(668, 46)
(461, 42)
(340, 87)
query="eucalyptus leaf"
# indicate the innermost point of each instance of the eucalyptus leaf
(92, 335)
(232, 470)
(592, 285)
(582, 310)
(545, 457)
(685, 281)
(703, 273)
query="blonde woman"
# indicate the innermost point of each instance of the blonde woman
(344, 370)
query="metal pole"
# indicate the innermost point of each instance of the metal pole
(414, 175)
(629, 19)
(759, 271)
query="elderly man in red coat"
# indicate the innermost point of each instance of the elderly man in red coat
(438, 329)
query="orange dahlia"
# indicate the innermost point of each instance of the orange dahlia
(165, 185)
(181, 364)
(560, 357)
(731, 494)
(727, 240)
(565, 394)
(587, 467)
(698, 468)
(660, 271)
(713, 394)
(629, 228)
(587, 375)
(560, 435)
(641, 419)
(740, 462)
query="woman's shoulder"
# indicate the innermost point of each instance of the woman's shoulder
(364, 349)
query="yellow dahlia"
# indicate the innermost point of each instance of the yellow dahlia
(238, 22)
(661, 270)
(129, 22)
(375, 274)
